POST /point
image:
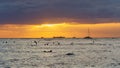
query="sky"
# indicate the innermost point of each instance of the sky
(49, 18)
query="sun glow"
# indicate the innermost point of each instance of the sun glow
(52, 25)
(59, 29)
(48, 25)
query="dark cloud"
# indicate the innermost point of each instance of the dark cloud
(38, 11)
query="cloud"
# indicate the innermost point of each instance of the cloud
(56, 11)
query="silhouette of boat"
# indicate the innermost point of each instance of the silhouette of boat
(59, 37)
(88, 37)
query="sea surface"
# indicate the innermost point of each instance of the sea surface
(60, 53)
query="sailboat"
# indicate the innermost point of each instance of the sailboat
(88, 37)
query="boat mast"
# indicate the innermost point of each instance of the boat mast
(88, 32)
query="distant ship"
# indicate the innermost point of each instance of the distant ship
(59, 37)
(88, 37)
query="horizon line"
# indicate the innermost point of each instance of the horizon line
(57, 38)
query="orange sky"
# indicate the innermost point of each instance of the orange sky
(63, 29)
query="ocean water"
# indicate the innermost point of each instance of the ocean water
(60, 53)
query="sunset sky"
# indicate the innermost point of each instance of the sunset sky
(49, 18)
